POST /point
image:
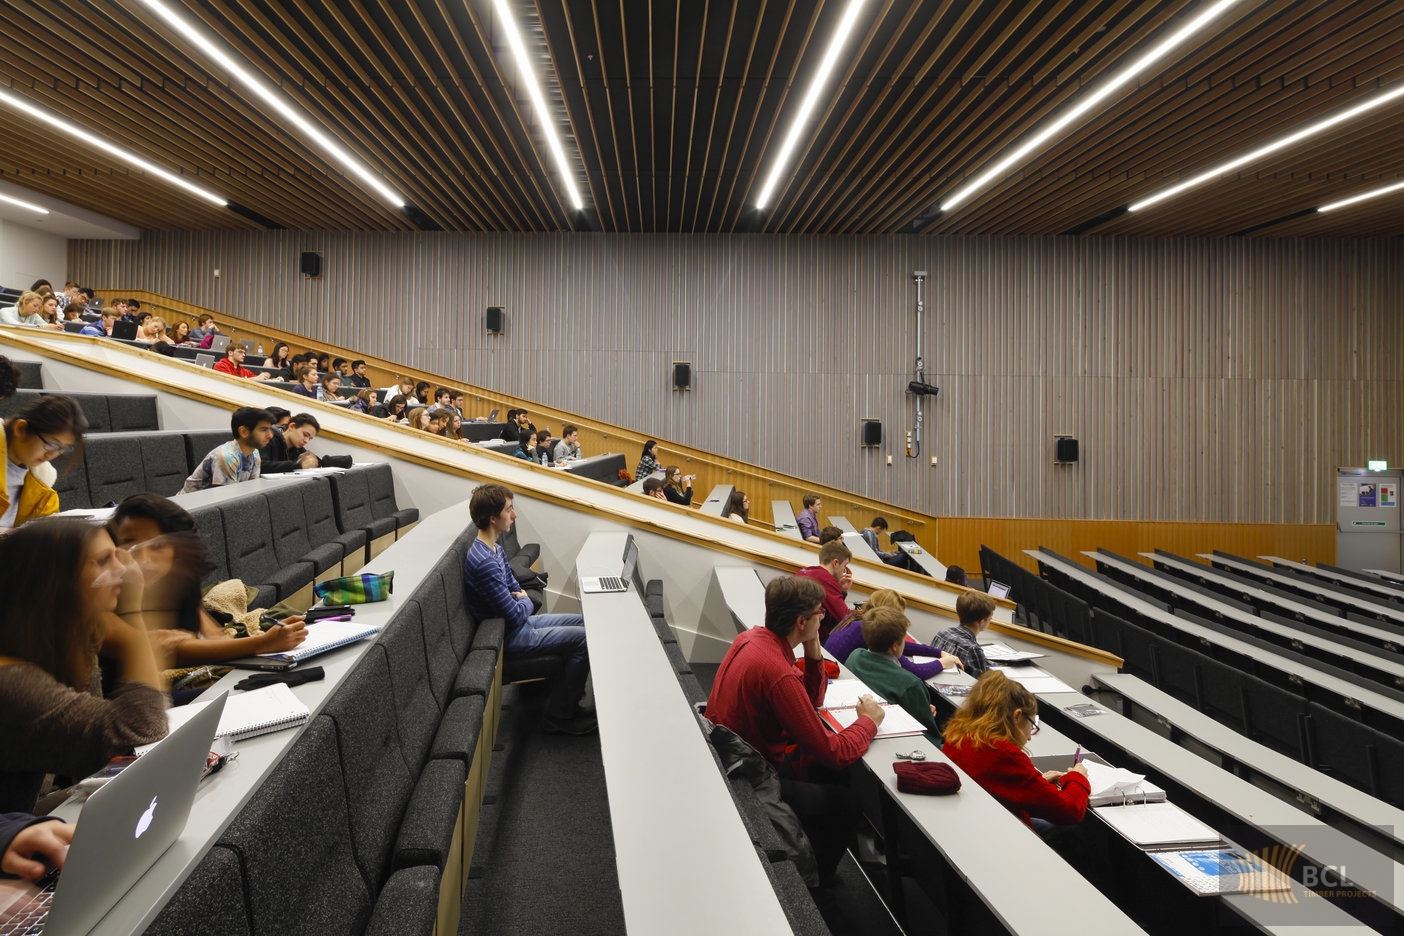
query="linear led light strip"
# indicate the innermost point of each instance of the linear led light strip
(1088, 102)
(73, 130)
(277, 102)
(1364, 196)
(23, 204)
(811, 99)
(538, 101)
(1310, 130)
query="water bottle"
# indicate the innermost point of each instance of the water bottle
(260, 349)
(543, 459)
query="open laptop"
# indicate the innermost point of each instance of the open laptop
(599, 584)
(125, 330)
(125, 826)
(219, 344)
(998, 589)
(205, 360)
(492, 417)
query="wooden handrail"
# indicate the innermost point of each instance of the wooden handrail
(762, 486)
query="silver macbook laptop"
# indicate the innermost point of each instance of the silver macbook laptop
(205, 360)
(220, 344)
(124, 827)
(492, 417)
(998, 589)
(599, 584)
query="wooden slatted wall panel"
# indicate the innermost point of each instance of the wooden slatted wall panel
(1216, 381)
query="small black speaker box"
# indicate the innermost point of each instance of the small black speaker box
(872, 432)
(311, 264)
(1064, 450)
(496, 319)
(682, 375)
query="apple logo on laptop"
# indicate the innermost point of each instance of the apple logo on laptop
(144, 822)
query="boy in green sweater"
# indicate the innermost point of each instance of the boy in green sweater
(885, 631)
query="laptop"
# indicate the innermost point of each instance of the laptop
(124, 330)
(492, 417)
(220, 344)
(602, 584)
(205, 360)
(998, 589)
(125, 826)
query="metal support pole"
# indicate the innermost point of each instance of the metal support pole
(914, 436)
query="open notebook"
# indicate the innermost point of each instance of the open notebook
(321, 637)
(1115, 786)
(246, 714)
(896, 723)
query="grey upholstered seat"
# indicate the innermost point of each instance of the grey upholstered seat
(114, 468)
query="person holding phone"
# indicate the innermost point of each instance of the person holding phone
(677, 486)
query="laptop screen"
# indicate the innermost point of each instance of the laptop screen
(631, 559)
(998, 589)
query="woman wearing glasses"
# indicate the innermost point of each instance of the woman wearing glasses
(986, 739)
(38, 432)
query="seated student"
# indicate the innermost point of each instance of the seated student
(421, 392)
(678, 486)
(569, 445)
(880, 665)
(72, 594)
(986, 738)
(287, 448)
(25, 311)
(648, 461)
(323, 362)
(518, 421)
(41, 430)
(848, 636)
(403, 387)
(281, 358)
(526, 445)
(830, 533)
(204, 327)
(341, 366)
(760, 694)
(392, 409)
(438, 421)
(492, 591)
(102, 328)
(975, 611)
(956, 575)
(358, 378)
(544, 445)
(808, 518)
(418, 418)
(738, 508)
(870, 535)
(233, 364)
(832, 568)
(308, 383)
(329, 388)
(442, 396)
(31, 845)
(173, 558)
(364, 401)
(236, 460)
(281, 418)
(653, 487)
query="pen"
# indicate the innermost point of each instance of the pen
(1077, 755)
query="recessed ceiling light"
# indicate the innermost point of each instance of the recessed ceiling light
(1084, 103)
(1364, 196)
(538, 101)
(87, 136)
(280, 104)
(1395, 92)
(811, 98)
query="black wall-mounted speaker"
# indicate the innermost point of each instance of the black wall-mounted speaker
(311, 264)
(1064, 450)
(682, 375)
(872, 432)
(496, 319)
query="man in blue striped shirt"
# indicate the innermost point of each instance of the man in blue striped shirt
(492, 591)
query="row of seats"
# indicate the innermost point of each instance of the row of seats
(105, 412)
(382, 787)
(784, 876)
(1278, 716)
(1042, 605)
(284, 536)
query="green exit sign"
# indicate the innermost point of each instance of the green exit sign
(1377, 465)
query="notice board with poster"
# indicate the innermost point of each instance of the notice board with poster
(1369, 534)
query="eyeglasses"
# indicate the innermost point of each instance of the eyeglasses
(50, 446)
(1036, 726)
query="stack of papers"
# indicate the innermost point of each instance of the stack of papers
(1115, 785)
(999, 653)
(1037, 681)
(896, 722)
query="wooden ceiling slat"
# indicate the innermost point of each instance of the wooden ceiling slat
(712, 209)
(607, 215)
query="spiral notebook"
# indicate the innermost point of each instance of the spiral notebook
(321, 637)
(247, 714)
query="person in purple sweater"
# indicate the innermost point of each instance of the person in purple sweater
(492, 591)
(848, 636)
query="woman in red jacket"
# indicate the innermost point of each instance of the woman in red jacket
(986, 739)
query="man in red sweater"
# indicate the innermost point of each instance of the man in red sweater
(830, 573)
(759, 694)
(233, 364)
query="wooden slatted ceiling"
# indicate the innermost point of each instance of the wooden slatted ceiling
(672, 109)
